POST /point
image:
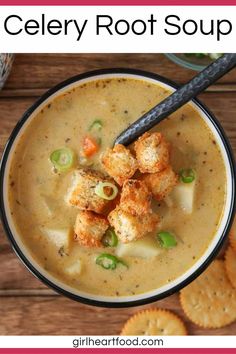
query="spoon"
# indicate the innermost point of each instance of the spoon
(178, 98)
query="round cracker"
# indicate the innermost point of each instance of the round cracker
(232, 235)
(210, 300)
(230, 265)
(154, 322)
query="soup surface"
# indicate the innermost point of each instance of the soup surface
(37, 192)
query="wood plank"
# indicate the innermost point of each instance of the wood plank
(223, 106)
(11, 111)
(34, 71)
(15, 276)
(17, 313)
(28, 292)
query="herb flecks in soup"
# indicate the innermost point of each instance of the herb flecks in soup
(140, 222)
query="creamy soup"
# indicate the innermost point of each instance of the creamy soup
(37, 191)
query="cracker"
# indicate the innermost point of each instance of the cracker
(210, 300)
(230, 265)
(154, 322)
(232, 235)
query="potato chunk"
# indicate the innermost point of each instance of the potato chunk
(161, 183)
(74, 269)
(183, 195)
(144, 248)
(50, 204)
(135, 197)
(152, 152)
(82, 191)
(129, 227)
(89, 228)
(61, 238)
(119, 163)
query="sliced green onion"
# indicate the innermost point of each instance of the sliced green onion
(108, 261)
(167, 240)
(187, 175)
(96, 125)
(62, 159)
(110, 239)
(99, 190)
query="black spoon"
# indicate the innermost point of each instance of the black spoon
(177, 99)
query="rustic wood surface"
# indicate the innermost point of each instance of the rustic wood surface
(27, 307)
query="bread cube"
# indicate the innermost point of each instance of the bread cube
(82, 191)
(119, 163)
(90, 228)
(135, 197)
(129, 227)
(152, 152)
(161, 183)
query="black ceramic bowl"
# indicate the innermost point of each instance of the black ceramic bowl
(133, 300)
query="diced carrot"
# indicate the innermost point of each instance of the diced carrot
(90, 146)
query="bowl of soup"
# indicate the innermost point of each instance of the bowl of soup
(116, 226)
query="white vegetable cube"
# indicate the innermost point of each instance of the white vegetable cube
(60, 237)
(50, 204)
(184, 195)
(74, 269)
(144, 248)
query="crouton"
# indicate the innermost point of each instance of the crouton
(129, 227)
(119, 163)
(82, 191)
(135, 197)
(152, 152)
(90, 228)
(161, 184)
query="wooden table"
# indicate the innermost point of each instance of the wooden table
(27, 307)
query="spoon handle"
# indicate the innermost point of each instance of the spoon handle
(177, 99)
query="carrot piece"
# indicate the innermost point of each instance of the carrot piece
(90, 146)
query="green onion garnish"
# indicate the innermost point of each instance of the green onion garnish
(96, 125)
(100, 190)
(108, 261)
(167, 240)
(110, 239)
(187, 175)
(62, 159)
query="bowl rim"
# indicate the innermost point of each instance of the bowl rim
(185, 63)
(23, 257)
